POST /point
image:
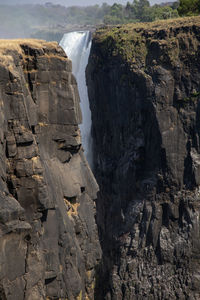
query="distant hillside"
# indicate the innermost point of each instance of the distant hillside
(49, 21)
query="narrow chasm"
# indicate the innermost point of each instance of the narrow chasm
(144, 93)
(144, 87)
(77, 46)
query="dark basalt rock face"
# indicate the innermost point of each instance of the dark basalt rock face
(48, 237)
(144, 87)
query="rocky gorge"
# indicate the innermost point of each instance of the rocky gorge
(135, 234)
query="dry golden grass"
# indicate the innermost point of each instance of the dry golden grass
(6, 45)
(165, 24)
(9, 46)
(37, 177)
(160, 24)
(72, 208)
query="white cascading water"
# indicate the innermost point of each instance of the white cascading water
(77, 46)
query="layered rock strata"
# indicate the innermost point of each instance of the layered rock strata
(48, 237)
(144, 89)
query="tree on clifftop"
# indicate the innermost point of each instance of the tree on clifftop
(189, 7)
(140, 6)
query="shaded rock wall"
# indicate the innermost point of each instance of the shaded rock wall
(144, 89)
(48, 237)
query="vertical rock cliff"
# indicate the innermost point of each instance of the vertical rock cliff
(144, 89)
(48, 237)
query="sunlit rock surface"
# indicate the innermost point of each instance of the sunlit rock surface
(48, 237)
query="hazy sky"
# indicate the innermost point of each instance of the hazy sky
(74, 2)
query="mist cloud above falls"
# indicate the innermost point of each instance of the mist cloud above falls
(38, 20)
(73, 2)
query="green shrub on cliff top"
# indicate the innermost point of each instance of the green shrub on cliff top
(138, 11)
(123, 42)
(189, 7)
(158, 12)
(130, 43)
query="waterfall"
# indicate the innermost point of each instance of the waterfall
(77, 47)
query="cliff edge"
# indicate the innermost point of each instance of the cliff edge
(144, 90)
(48, 237)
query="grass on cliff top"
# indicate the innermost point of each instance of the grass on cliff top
(7, 45)
(166, 24)
(160, 24)
(128, 40)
